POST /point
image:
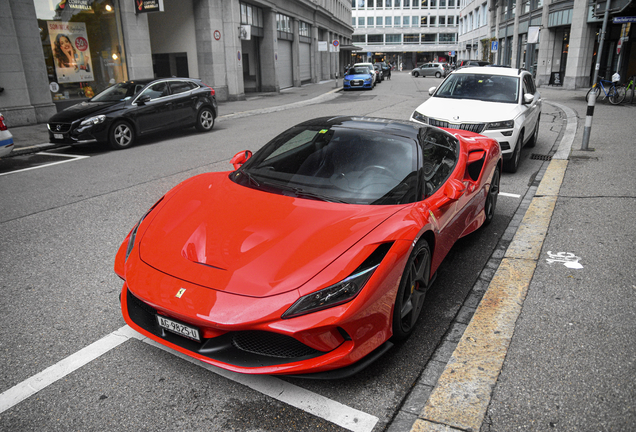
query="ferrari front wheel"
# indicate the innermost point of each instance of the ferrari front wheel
(413, 286)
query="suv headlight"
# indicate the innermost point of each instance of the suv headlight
(93, 120)
(508, 124)
(419, 117)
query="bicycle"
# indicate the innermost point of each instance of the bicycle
(629, 89)
(615, 92)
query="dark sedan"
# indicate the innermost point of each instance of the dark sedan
(126, 110)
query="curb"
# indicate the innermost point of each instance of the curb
(459, 399)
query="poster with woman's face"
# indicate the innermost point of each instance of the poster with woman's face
(71, 55)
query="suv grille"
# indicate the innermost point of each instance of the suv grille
(472, 127)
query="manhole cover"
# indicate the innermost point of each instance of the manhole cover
(540, 157)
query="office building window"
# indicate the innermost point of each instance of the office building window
(378, 21)
(393, 39)
(369, 21)
(429, 38)
(375, 39)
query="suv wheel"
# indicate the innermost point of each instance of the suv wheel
(512, 164)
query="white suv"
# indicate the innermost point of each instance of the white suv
(498, 102)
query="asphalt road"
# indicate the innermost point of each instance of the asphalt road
(60, 227)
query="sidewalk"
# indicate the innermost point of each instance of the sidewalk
(29, 139)
(551, 345)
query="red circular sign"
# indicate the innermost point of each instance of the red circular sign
(217, 34)
(81, 43)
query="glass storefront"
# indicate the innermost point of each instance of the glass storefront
(83, 47)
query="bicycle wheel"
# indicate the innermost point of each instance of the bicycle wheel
(617, 94)
(596, 90)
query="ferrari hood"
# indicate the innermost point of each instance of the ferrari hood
(467, 110)
(231, 238)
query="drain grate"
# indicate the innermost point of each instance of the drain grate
(540, 157)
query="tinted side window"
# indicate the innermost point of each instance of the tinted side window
(528, 85)
(157, 90)
(439, 157)
(180, 86)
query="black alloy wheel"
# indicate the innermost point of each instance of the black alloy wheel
(491, 198)
(412, 291)
(121, 136)
(205, 119)
(512, 164)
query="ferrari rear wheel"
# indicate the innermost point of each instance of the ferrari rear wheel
(491, 199)
(412, 291)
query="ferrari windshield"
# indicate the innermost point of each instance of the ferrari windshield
(118, 92)
(337, 164)
(480, 86)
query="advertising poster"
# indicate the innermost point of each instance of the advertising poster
(69, 43)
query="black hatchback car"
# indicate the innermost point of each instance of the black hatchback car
(126, 110)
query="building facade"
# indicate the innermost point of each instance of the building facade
(557, 41)
(58, 53)
(407, 32)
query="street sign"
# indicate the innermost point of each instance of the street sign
(452, 53)
(494, 46)
(618, 46)
(623, 20)
(616, 6)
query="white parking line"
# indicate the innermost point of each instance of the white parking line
(71, 159)
(509, 195)
(320, 406)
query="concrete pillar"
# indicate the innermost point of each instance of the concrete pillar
(219, 54)
(581, 49)
(516, 40)
(546, 43)
(315, 54)
(137, 42)
(296, 53)
(231, 23)
(268, 50)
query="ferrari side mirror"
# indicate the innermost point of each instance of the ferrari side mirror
(240, 158)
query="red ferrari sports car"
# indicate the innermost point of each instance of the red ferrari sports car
(315, 252)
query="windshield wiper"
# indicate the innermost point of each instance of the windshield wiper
(301, 193)
(250, 177)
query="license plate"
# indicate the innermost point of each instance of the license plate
(58, 136)
(356, 83)
(178, 328)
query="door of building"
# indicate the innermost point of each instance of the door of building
(284, 70)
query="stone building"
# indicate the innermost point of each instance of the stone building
(54, 53)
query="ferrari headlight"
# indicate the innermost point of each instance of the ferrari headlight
(417, 116)
(93, 120)
(509, 124)
(334, 295)
(133, 233)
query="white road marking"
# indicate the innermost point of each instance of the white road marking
(320, 406)
(509, 195)
(71, 159)
(48, 376)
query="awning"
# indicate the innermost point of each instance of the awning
(350, 47)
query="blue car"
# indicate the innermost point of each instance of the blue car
(358, 77)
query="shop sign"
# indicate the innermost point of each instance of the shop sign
(144, 6)
(322, 46)
(75, 4)
(71, 53)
